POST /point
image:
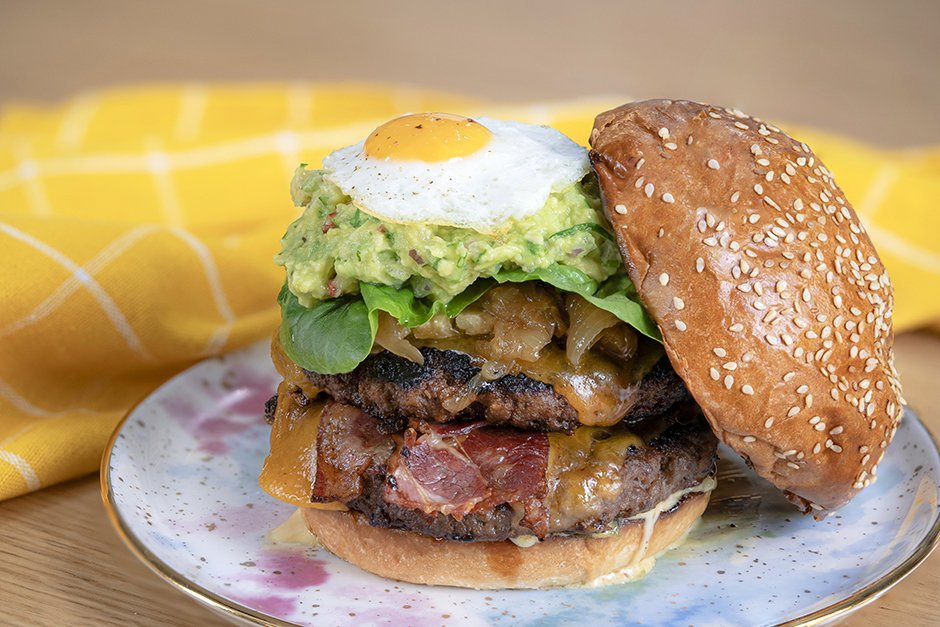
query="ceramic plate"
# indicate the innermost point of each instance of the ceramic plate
(180, 483)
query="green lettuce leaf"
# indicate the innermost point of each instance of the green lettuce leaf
(410, 312)
(334, 336)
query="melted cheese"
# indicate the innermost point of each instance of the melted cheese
(600, 389)
(293, 374)
(584, 472)
(293, 531)
(291, 466)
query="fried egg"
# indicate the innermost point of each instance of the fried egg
(437, 168)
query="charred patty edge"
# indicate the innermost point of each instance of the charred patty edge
(396, 390)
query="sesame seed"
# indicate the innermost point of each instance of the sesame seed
(820, 426)
(737, 327)
(836, 430)
(768, 423)
(713, 164)
(671, 145)
(668, 198)
(621, 209)
(730, 365)
(648, 190)
(639, 164)
(781, 286)
(836, 448)
(749, 438)
(714, 373)
(664, 279)
(699, 264)
(793, 411)
(729, 381)
(720, 352)
(793, 465)
(664, 132)
(748, 390)
(741, 126)
(735, 196)
(759, 188)
(678, 303)
(680, 325)
(817, 448)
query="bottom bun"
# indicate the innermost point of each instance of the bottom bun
(559, 561)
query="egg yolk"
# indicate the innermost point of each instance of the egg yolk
(427, 137)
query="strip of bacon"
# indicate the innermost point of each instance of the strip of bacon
(454, 469)
(348, 443)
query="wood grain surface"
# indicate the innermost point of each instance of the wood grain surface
(863, 68)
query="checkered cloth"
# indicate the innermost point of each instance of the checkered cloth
(137, 229)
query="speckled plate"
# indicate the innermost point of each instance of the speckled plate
(180, 483)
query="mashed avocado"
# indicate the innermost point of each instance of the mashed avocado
(334, 245)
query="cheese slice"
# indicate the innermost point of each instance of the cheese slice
(291, 467)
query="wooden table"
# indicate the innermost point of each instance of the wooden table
(866, 69)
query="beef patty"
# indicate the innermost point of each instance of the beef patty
(396, 390)
(680, 456)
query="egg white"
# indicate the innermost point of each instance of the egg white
(509, 178)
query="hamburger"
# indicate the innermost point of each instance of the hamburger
(507, 360)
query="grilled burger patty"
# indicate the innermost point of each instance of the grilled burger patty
(396, 390)
(473, 481)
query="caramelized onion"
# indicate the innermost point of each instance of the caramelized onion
(619, 342)
(437, 328)
(585, 324)
(493, 370)
(391, 336)
(527, 318)
(465, 396)
(472, 321)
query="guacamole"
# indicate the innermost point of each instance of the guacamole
(334, 245)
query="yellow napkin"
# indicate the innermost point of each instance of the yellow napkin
(137, 229)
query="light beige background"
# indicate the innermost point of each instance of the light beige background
(866, 69)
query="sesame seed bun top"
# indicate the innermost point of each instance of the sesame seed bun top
(773, 304)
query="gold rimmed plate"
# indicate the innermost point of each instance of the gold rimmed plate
(179, 481)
